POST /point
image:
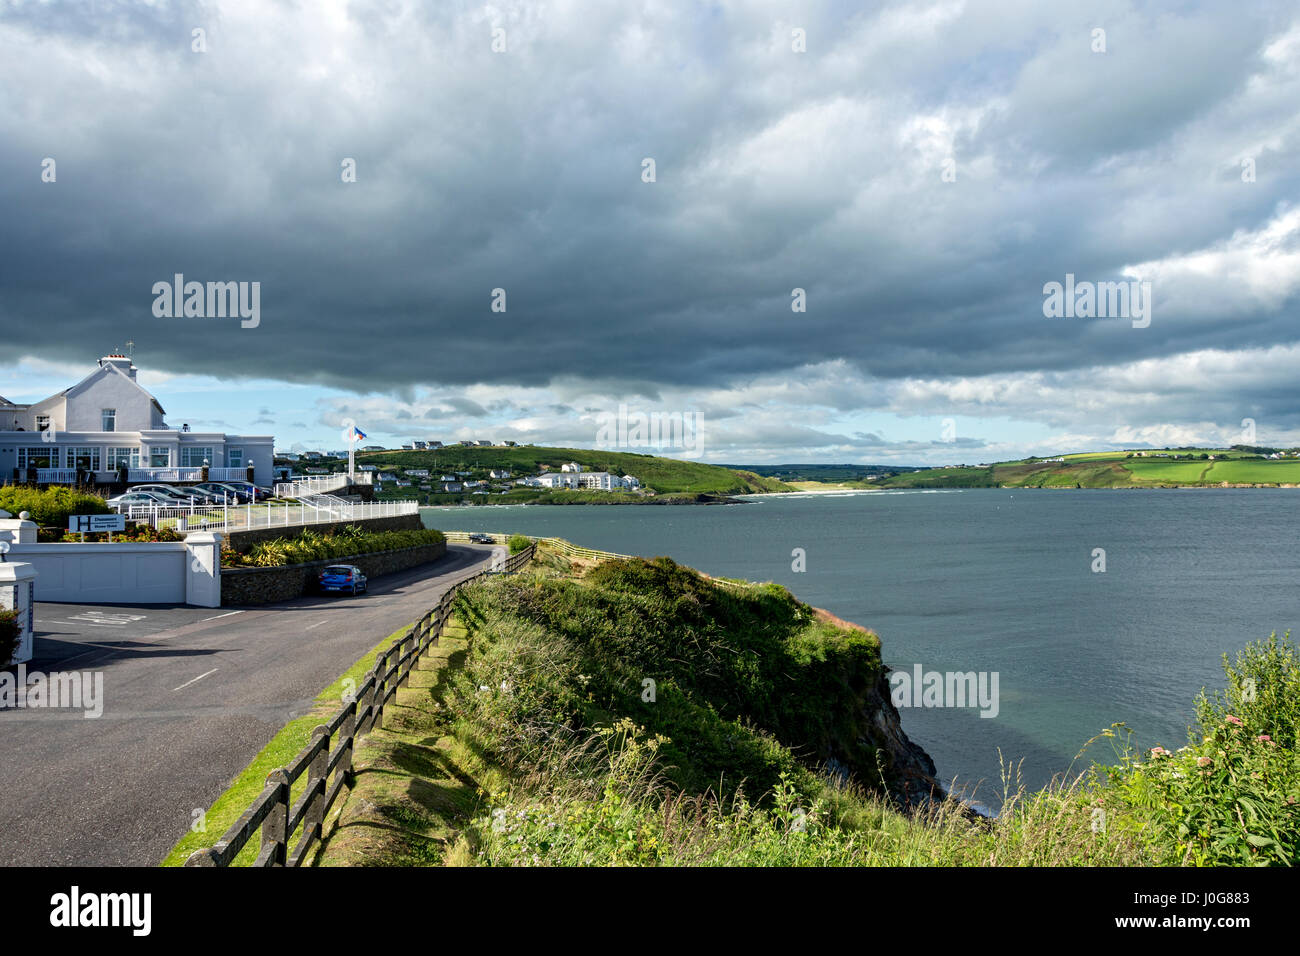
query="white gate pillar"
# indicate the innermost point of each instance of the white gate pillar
(203, 569)
(18, 593)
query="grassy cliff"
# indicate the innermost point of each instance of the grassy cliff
(663, 475)
(637, 713)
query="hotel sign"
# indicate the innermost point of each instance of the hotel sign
(91, 524)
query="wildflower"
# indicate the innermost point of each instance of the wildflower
(1265, 738)
(1159, 752)
(1234, 720)
(1203, 761)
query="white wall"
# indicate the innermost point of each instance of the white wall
(107, 573)
(166, 572)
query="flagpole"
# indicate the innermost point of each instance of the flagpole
(352, 453)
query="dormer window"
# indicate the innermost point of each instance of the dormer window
(109, 419)
(42, 423)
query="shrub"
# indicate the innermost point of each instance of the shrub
(9, 633)
(134, 534)
(737, 673)
(51, 506)
(1231, 797)
(313, 546)
(519, 542)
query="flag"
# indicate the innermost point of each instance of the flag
(357, 434)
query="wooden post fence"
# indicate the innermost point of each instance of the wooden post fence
(274, 813)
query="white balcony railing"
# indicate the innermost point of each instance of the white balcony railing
(200, 517)
(56, 476)
(164, 474)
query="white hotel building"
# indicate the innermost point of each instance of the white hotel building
(108, 420)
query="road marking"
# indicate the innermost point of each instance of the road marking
(102, 619)
(196, 680)
(314, 626)
(219, 616)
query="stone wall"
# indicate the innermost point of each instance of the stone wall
(243, 540)
(241, 586)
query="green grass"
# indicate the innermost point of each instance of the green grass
(1255, 471)
(283, 747)
(1172, 472)
(936, 478)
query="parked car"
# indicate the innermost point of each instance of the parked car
(478, 538)
(343, 577)
(146, 498)
(227, 492)
(250, 489)
(182, 495)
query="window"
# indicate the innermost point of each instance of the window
(86, 459)
(160, 458)
(235, 457)
(42, 456)
(109, 418)
(42, 423)
(192, 456)
(123, 456)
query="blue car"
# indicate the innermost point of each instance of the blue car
(343, 577)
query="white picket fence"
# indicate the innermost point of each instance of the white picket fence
(199, 517)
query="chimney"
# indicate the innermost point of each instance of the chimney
(121, 363)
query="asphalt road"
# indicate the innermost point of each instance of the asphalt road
(190, 697)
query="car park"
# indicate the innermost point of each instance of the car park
(183, 495)
(343, 577)
(226, 492)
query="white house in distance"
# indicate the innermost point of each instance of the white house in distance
(107, 420)
(571, 475)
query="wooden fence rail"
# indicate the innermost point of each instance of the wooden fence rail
(327, 769)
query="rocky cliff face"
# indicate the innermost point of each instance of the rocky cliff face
(877, 743)
(913, 778)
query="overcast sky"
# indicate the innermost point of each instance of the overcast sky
(921, 170)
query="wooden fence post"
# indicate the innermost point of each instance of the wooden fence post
(347, 732)
(377, 711)
(367, 702)
(316, 786)
(276, 824)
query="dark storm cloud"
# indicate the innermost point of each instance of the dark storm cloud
(522, 171)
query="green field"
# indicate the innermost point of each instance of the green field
(1284, 472)
(1108, 470)
(1175, 472)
